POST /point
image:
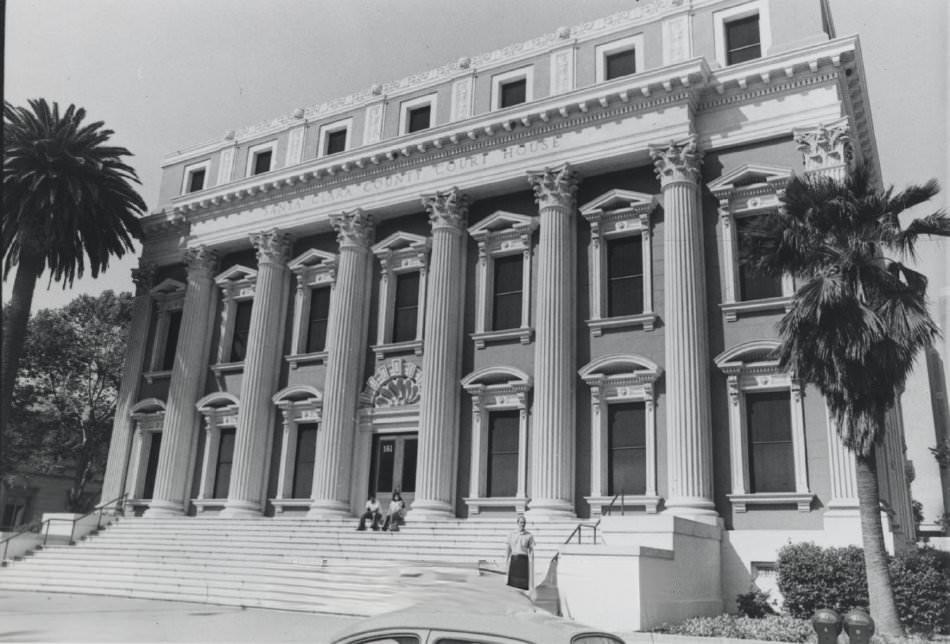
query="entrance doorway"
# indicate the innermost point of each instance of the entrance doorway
(393, 467)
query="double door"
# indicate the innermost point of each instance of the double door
(393, 467)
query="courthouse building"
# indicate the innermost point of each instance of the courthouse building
(511, 283)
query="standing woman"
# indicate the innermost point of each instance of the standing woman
(520, 557)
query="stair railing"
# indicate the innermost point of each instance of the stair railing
(30, 528)
(579, 530)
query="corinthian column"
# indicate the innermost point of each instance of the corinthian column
(825, 148)
(346, 352)
(552, 430)
(187, 383)
(687, 343)
(118, 462)
(441, 359)
(261, 369)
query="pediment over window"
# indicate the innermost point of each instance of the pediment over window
(148, 406)
(626, 365)
(297, 394)
(311, 258)
(496, 375)
(400, 241)
(758, 352)
(750, 174)
(168, 287)
(217, 401)
(501, 221)
(618, 199)
(235, 275)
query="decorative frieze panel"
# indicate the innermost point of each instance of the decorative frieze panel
(396, 383)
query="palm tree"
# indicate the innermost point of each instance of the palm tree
(857, 321)
(67, 196)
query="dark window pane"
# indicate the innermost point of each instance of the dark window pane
(623, 63)
(196, 180)
(514, 93)
(506, 305)
(626, 448)
(151, 469)
(419, 118)
(242, 328)
(171, 340)
(304, 459)
(624, 276)
(405, 316)
(222, 476)
(385, 457)
(752, 284)
(771, 456)
(742, 40)
(503, 453)
(410, 447)
(262, 162)
(336, 142)
(318, 319)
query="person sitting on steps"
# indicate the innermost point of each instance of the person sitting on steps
(397, 513)
(371, 512)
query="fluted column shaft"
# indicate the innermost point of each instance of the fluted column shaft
(187, 383)
(346, 352)
(686, 343)
(551, 443)
(117, 465)
(261, 369)
(441, 359)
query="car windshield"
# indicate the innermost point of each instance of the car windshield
(596, 639)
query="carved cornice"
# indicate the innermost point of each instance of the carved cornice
(354, 229)
(201, 261)
(554, 187)
(825, 146)
(447, 209)
(677, 162)
(273, 246)
(144, 277)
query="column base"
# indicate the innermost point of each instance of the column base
(430, 510)
(240, 510)
(541, 509)
(158, 508)
(696, 508)
(324, 509)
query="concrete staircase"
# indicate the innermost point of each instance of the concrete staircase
(285, 562)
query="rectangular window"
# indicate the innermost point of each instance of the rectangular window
(771, 456)
(410, 447)
(752, 284)
(222, 472)
(743, 41)
(513, 93)
(304, 460)
(624, 276)
(384, 465)
(151, 469)
(508, 285)
(622, 63)
(406, 312)
(196, 180)
(626, 448)
(242, 328)
(262, 161)
(335, 142)
(318, 319)
(502, 475)
(171, 340)
(419, 118)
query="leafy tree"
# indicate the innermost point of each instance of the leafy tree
(67, 388)
(857, 321)
(67, 198)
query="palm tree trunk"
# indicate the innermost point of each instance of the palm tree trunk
(880, 594)
(14, 333)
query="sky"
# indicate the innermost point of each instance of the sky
(167, 74)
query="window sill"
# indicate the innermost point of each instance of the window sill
(598, 504)
(801, 499)
(297, 359)
(383, 350)
(209, 504)
(733, 310)
(152, 376)
(646, 320)
(475, 504)
(482, 338)
(282, 504)
(227, 367)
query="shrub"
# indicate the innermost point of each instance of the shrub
(754, 603)
(774, 628)
(921, 582)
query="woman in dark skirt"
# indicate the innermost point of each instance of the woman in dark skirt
(520, 557)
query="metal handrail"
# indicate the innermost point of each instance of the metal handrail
(608, 510)
(30, 528)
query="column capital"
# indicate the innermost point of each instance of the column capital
(676, 162)
(144, 277)
(554, 187)
(201, 261)
(354, 229)
(447, 209)
(824, 146)
(273, 246)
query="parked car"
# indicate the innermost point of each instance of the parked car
(427, 625)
